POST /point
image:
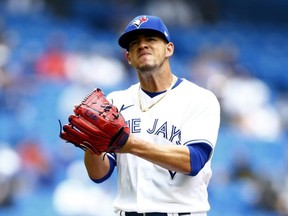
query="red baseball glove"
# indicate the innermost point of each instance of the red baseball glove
(97, 125)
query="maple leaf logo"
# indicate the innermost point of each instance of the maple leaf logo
(138, 22)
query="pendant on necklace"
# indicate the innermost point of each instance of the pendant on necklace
(154, 103)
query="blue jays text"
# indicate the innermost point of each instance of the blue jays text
(169, 132)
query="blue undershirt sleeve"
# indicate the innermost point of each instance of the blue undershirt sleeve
(199, 155)
(112, 162)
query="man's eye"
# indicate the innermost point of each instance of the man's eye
(151, 39)
(132, 43)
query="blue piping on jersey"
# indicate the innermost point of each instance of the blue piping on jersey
(154, 94)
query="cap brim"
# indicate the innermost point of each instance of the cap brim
(126, 38)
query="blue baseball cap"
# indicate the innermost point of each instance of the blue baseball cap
(143, 23)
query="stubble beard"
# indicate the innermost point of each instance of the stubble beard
(150, 67)
(147, 68)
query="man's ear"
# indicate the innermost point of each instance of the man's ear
(128, 57)
(170, 49)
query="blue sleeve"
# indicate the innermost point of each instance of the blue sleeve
(112, 161)
(199, 155)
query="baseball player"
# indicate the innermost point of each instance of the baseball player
(164, 163)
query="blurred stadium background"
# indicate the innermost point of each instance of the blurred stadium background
(52, 52)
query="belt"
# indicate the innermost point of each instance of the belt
(153, 214)
(145, 214)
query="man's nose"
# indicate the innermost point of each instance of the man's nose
(142, 43)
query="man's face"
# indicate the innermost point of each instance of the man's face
(148, 51)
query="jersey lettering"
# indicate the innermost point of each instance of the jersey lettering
(175, 133)
(134, 125)
(172, 174)
(151, 131)
(163, 129)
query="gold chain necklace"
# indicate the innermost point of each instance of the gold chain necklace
(154, 103)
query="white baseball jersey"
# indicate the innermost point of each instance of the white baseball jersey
(187, 114)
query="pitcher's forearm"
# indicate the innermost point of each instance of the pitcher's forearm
(171, 157)
(97, 166)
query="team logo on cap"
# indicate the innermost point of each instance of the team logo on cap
(138, 22)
